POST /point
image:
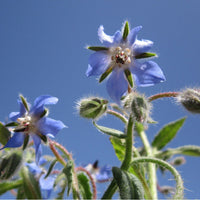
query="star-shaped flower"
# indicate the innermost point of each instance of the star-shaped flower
(33, 122)
(119, 58)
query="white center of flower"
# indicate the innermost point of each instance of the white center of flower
(121, 56)
(26, 124)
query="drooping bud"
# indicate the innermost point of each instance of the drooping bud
(190, 99)
(167, 190)
(92, 108)
(10, 164)
(138, 105)
(178, 161)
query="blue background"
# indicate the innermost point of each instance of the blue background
(42, 51)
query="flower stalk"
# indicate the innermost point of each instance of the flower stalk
(163, 95)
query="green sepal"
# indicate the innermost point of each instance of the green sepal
(26, 139)
(11, 124)
(97, 48)
(105, 74)
(129, 185)
(51, 167)
(145, 55)
(30, 184)
(68, 171)
(45, 112)
(129, 77)
(110, 131)
(24, 102)
(4, 134)
(167, 133)
(7, 186)
(84, 186)
(10, 164)
(126, 30)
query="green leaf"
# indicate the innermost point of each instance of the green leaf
(129, 77)
(6, 186)
(110, 131)
(4, 134)
(51, 167)
(129, 185)
(167, 133)
(119, 147)
(145, 55)
(187, 150)
(84, 186)
(126, 30)
(98, 48)
(30, 184)
(10, 164)
(105, 74)
(24, 102)
(68, 171)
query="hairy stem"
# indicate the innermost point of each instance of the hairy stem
(179, 181)
(127, 159)
(91, 180)
(118, 115)
(151, 167)
(162, 95)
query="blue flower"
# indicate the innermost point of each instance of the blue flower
(100, 174)
(46, 184)
(120, 55)
(33, 122)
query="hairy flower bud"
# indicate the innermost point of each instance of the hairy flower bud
(178, 161)
(138, 105)
(190, 99)
(92, 107)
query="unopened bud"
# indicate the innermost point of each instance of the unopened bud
(167, 190)
(138, 105)
(178, 161)
(10, 164)
(92, 108)
(190, 99)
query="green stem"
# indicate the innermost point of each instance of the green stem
(127, 159)
(118, 115)
(162, 95)
(151, 167)
(179, 181)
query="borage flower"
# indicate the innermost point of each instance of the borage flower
(46, 184)
(100, 174)
(33, 122)
(120, 55)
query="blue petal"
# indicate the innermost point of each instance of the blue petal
(47, 185)
(133, 34)
(147, 74)
(104, 173)
(117, 37)
(40, 102)
(107, 40)
(98, 63)
(33, 168)
(117, 85)
(15, 141)
(50, 126)
(38, 147)
(15, 115)
(142, 46)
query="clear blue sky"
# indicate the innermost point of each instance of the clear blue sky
(42, 52)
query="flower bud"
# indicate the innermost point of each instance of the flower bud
(10, 164)
(138, 105)
(178, 161)
(166, 190)
(92, 108)
(190, 99)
